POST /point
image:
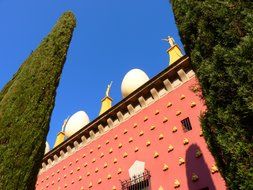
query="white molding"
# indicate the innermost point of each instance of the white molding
(154, 94)
(182, 75)
(142, 101)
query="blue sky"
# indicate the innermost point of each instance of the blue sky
(111, 38)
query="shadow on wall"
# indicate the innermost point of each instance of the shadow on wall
(195, 164)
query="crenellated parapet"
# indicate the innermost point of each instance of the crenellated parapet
(165, 82)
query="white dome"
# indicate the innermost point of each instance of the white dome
(133, 80)
(47, 148)
(76, 122)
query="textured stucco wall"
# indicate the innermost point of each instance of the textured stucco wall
(73, 173)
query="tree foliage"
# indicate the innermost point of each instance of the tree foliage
(26, 104)
(218, 37)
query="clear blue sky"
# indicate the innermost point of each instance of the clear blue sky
(111, 37)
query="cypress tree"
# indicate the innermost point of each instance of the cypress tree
(218, 37)
(26, 104)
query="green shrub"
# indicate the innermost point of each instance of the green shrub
(218, 37)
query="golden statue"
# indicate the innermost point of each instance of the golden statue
(106, 101)
(108, 89)
(170, 40)
(174, 51)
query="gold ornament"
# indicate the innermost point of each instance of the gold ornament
(181, 161)
(194, 177)
(170, 148)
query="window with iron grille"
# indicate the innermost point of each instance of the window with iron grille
(140, 182)
(186, 124)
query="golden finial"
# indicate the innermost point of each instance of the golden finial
(61, 135)
(106, 101)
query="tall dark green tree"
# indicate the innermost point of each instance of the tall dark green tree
(26, 104)
(218, 37)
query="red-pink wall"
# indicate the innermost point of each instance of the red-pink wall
(71, 173)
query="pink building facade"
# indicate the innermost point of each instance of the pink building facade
(152, 139)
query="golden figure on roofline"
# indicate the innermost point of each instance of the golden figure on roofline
(170, 40)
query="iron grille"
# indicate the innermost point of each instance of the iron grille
(186, 124)
(140, 182)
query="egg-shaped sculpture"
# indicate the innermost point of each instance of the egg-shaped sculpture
(76, 122)
(133, 80)
(47, 148)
